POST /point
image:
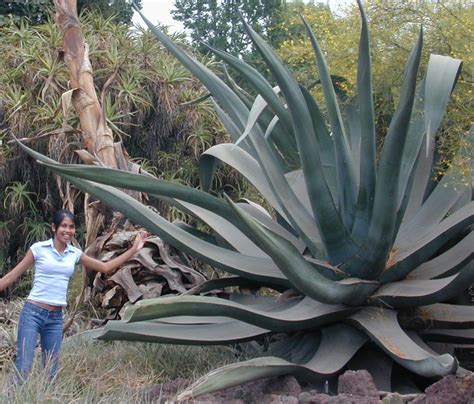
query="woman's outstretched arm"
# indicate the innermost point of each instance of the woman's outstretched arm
(27, 262)
(109, 266)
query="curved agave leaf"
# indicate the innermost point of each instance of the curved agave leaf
(215, 333)
(344, 166)
(225, 229)
(444, 196)
(383, 328)
(241, 161)
(231, 281)
(443, 73)
(448, 262)
(338, 344)
(259, 83)
(276, 190)
(371, 258)
(457, 337)
(259, 268)
(335, 235)
(301, 273)
(262, 216)
(413, 293)
(406, 257)
(441, 315)
(289, 315)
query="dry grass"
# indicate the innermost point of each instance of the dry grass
(105, 372)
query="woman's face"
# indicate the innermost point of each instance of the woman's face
(65, 231)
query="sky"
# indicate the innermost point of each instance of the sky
(160, 11)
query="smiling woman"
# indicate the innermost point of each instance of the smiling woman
(54, 261)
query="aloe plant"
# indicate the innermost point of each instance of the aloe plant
(364, 253)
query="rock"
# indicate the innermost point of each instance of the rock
(393, 398)
(357, 383)
(285, 385)
(452, 389)
(284, 390)
(320, 398)
(166, 391)
(396, 398)
(279, 399)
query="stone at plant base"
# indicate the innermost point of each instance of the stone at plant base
(358, 383)
(451, 389)
(319, 398)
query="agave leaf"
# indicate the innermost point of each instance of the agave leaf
(301, 273)
(439, 82)
(345, 170)
(367, 177)
(338, 344)
(406, 256)
(280, 316)
(276, 190)
(437, 97)
(336, 237)
(413, 293)
(441, 315)
(170, 233)
(450, 336)
(241, 161)
(325, 144)
(259, 83)
(229, 101)
(446, 193)
(383, 328)
(232, 281)
(371, 258)
(208, 238)
(448, 262)
(260, 214)
(231, 234)
(256, 111)
(216, 333)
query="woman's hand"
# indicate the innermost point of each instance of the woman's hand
(139, 241)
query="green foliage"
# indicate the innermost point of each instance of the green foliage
(217, 23)
(394, 27)
(366, 251)
(39, 11)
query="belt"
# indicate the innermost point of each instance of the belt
(46, 305)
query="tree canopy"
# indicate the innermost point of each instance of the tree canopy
(217, 22)
(37, 11)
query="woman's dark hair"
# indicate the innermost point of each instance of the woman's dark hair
(59, 216)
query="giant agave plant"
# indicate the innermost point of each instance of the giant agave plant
(369, 250)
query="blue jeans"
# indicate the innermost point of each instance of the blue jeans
(48, 324)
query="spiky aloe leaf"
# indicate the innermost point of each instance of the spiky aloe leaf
(383, 328)
(338, 344)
